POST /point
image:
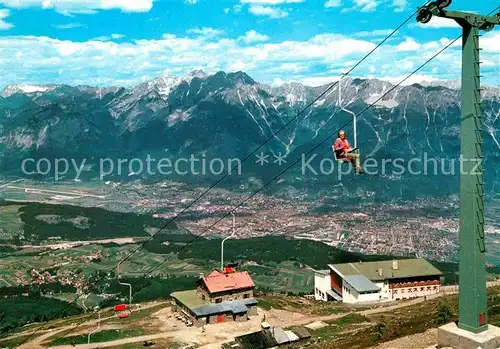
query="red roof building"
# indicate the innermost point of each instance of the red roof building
(218, 284)
(221, 296)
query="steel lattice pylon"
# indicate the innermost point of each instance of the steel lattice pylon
(472, 266)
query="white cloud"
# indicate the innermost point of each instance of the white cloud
(271, 12)
(444, 42)
(47, 60)
(127, 5)
(206, 32)
(438, 22)
(252, 36)
(69, 26)
(333, 3)
(488, 63)
(414, 79)
(406, 64)
(226, 10)
(271, 2)
(288, 68)
(109, 38)
(490, 42)
(4, 13)
(399, 5)
(41, 60)
(277, 82)
(236, 66)
(366, 5)
(320, 80)
(102, 38)
(408, 45)
(82, 6)
(191, 2)
(377, 32)
(434, 45)
(293, 67)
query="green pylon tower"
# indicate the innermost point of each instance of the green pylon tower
(472, 266)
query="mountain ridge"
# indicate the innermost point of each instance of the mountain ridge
(229, 115)
(198, 73)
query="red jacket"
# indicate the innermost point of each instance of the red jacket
(341, 144)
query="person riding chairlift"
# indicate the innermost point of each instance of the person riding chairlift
(344, 151)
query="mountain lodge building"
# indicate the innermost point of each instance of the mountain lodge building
(218, 297)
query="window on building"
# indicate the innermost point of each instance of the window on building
(203, 296)
(218, 300)
(246, 295)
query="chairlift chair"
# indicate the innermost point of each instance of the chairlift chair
(122, 311)
(355, 150)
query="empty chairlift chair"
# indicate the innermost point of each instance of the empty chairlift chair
(122, 311)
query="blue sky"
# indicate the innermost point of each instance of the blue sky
(123, 42)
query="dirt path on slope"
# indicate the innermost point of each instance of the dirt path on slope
(36, 342)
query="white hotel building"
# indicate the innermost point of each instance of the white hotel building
(377, 281)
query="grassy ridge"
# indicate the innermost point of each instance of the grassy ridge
(102, 336)
(146, 289)
(262, 250)
(272, 250)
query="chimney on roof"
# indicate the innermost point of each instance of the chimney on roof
(395, 264)
(380, 273)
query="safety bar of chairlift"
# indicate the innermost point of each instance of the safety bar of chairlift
(356, 150)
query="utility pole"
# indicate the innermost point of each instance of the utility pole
(124, 284)
(222, 244)
(472, 265)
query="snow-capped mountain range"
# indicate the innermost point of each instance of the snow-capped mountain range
(228, 115)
